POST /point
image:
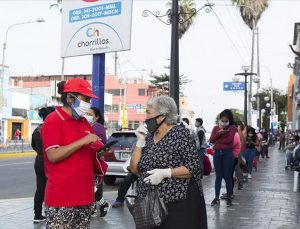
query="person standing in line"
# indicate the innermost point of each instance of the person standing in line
(251, 144)
(166, 157)
(236, 151)
(69, 147)
(238, 171)
(265, 145)
(41, 179)
(200, 130)
(282, 140)
(222, 137)
(186, 124)
(96, 119)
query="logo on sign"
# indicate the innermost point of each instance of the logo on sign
(93, 33)
(90, 0)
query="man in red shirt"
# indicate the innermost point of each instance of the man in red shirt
(68, 148)
(17, 134)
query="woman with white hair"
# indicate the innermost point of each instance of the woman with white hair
(166, 157)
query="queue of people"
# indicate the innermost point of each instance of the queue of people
(167, 157)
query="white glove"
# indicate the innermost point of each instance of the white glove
(157, 175)
(141, 133)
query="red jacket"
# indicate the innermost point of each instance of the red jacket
(223, 141)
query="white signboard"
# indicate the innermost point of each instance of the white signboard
(95, 26)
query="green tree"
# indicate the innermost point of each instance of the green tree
(279, 98)
(185, 8)
(237, 115)
(161, 82)
(251, 10)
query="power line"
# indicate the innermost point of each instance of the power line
(238, 29)
(229, 38)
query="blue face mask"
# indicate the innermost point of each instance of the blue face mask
(79, 108)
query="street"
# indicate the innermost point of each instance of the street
(17, 179)
(266, 202)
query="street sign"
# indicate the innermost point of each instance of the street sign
(232, 86)
(94, 26)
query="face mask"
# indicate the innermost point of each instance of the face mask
(250, 135)
(79, 108)
(197, 124)
(89, 118)
(223, 124)
(152, 125)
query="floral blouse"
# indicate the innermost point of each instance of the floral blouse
(175, 149)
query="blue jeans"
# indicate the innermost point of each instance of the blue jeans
(249, 156)
(223, 163)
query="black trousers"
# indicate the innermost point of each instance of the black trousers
(99, 192)
(189, 213)
(129, 179)
(235, 162)
(41, 181)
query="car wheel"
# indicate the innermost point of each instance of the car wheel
(109, 180)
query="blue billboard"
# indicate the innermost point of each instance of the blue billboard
(232, 86)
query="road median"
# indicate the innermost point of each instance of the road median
(17, 154)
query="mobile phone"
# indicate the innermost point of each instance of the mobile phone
(108, 145)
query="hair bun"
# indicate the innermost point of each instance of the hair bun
(60, 87)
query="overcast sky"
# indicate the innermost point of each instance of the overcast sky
(210, 53)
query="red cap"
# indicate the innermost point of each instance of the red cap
(80, 86)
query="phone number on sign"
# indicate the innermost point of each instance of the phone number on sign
(104, 10)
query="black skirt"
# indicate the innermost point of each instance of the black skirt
(189, 213)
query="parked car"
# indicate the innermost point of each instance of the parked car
(119, 155)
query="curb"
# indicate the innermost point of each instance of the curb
(14, 155)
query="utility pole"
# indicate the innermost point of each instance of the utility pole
(174, 66)
(116, 63)
(251, 71)
(258, 83)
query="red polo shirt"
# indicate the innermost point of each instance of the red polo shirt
(70, 181)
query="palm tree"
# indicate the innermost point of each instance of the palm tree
(186, 19)
(57, 5)
(251, 10)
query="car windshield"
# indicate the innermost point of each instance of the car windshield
(124, 139)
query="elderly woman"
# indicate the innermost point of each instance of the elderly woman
(166, 156)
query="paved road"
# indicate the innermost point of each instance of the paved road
(267, 202)
(17, 178)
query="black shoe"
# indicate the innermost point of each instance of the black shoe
(38, 219)
(94, 210)
(104, 208)
(118, 204)
(216, 201)
(240, 186)
(229, 202)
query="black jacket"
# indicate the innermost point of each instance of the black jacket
(36, 141)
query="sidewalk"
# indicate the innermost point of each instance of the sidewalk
(266, 202)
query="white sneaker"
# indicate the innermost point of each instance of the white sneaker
(249, 176)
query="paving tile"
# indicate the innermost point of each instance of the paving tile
(266, 202)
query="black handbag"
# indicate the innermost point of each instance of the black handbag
(148, 212)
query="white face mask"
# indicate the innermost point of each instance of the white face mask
(89, 118)
(79, 108)
(223, 124)
(82, 108)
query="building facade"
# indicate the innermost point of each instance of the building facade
(295, 92)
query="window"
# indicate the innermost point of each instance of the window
(115, 92)
(19, 112)
(133, 124)
(115, 108)
(142, 92)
